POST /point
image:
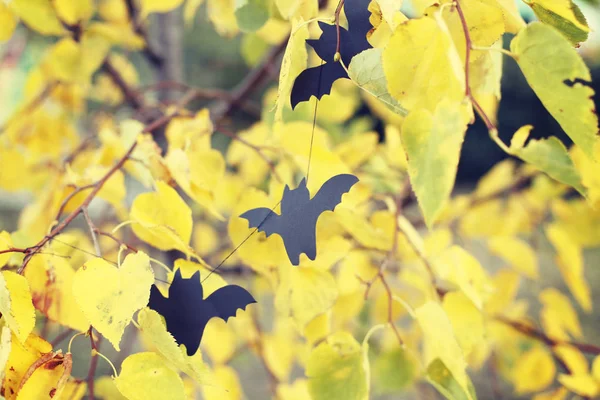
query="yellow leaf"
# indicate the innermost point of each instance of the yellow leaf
(558, 316)
(206, 239)
(227, 385)
(466, 319)
(219, 341)
(48, 379)
(569, 259)
(145, 376)
(154, 330)
(534, 371)
(5, 348)
(279, 350)
(432, 319)
(250, 165)
(583, 385)
(8, 22)
(305, 292)
(574, 359)
(556, 394)
(109, 296)
(75, 62)
(517, 253)
(293, 62)
(422, 65)
(222, 14)
(162, 219)
(106, 389)
(294, 391)
(336, 371)
(513, 20)
(556, 84)
(506, 284)
(74, 12)
(565, 16)
(51, 280)
(590, 178)
(458, 266)
(432, 142)
(39, 15)
(16, 305)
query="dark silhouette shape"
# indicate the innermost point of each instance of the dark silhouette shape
(299, 214)
(317, 81)
(187, 312)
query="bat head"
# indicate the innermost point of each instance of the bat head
(292, 198)
(181, 286)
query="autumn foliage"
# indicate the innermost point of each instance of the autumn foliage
(414, 289)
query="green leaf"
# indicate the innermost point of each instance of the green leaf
(560, 78)
(432, 143)
(565, 16)
(443, 380)
(336, 371)
(548, 155)
(251, 14)
(366, 69)
(145, 376)
(394, 371)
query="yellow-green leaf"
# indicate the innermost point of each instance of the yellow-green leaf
(366, 69)
(16, 305)
(562, 85)
(294, 62)
(251, 15)
(432, 142)
(533, 370)
(109, 296)
(422, 66)
(548, 155)
(432, 319)
(335, 370)
(145, 376)
(444, 381)
(564, 15)
(154, 331)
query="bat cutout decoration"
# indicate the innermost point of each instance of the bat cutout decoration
(299, 214)
(317, 81)
(187, 312)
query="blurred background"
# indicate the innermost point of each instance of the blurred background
(197, 55)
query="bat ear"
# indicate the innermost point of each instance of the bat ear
(196, 275)
(177, 275)
(286, 189)
(302, 183)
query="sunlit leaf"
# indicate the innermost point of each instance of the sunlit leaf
(108, 296)
(146, 376)
(16, 305)
(563, 85)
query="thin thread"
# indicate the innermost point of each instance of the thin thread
(312, 135)
(272, 211)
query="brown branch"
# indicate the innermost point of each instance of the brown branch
(338, 10)
(131, 95)
(62, 336)
(93, 365)
(61, 226)
(534, 333)
(151, 54)
(247, 85)
(469, 46)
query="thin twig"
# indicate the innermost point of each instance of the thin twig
(93, 230)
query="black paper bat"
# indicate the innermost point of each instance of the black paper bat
(187, 312)
(299, 214)
(317, 81)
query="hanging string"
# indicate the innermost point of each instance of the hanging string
(312, 138)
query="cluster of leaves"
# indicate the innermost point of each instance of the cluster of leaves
(385, 304)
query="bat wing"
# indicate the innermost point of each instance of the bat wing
(358, 14)
(330, 194)
(316, 81)
(265, 219)
(158, 302)
(228, 299)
